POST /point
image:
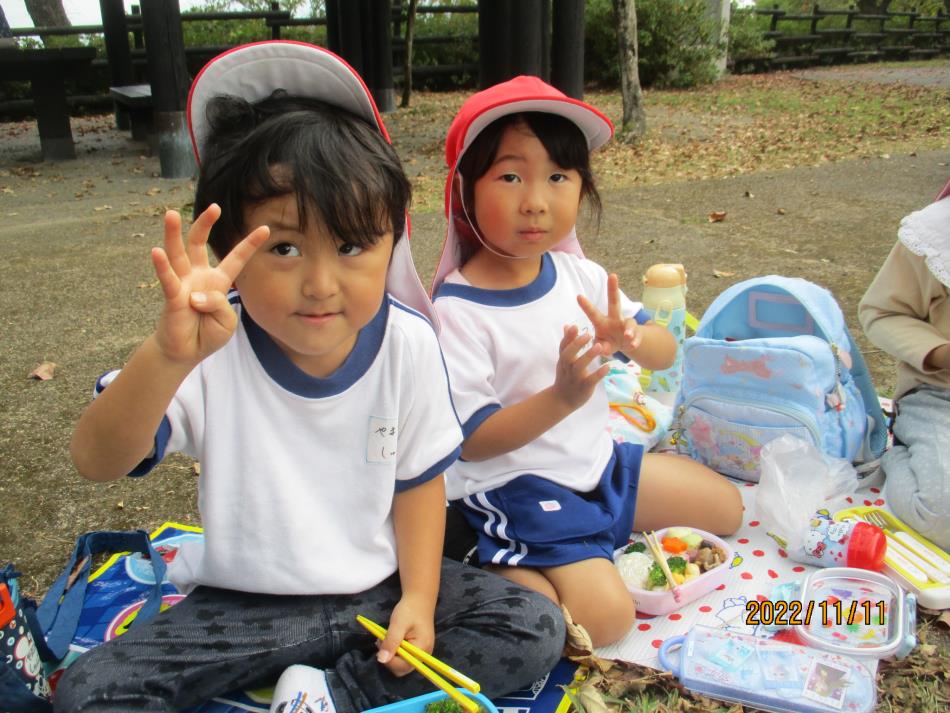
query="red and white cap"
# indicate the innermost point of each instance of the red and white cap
(516, 96)
(254, 71)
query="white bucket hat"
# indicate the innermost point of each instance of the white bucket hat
(254, 71)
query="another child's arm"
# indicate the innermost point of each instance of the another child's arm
(118, 429)
(895, 309)
(514, 426)
(650, 345)
(419, 521)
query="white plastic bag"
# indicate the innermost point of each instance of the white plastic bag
(797, 480)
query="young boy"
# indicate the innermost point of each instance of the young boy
(317, 402)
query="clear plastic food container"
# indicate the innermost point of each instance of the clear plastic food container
(857, 612)
(662, 601)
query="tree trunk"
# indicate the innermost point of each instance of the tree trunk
(47, 13)
(407, 67)
(634, 124)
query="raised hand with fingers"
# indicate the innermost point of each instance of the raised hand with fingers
(612, 332)
(574, 382)
(197, 319)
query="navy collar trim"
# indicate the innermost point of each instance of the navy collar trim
(535, 290)
(290, 377)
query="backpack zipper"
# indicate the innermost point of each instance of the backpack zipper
(797, 414)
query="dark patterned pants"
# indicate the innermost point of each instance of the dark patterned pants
(215, 641)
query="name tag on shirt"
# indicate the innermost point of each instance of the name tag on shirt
(381, 441)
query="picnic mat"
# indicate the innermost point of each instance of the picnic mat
(758, 565)
(119, 587)
(117, 590)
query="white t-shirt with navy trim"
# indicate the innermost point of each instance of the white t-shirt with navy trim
(298, 473)
(501, 347)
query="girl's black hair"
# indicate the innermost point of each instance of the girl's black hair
(561, 138)
(341, 169)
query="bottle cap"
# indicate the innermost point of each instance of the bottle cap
(867, 546)
(665, 275)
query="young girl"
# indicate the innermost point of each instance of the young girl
(525, 319)
(906, 312)
(317, 402)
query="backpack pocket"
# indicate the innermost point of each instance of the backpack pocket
(727, 434)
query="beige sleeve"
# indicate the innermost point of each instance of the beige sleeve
(895, 309)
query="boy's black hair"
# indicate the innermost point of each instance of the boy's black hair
(561, 138)
(342, 170)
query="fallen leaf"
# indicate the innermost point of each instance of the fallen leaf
(928, 649)
(44, 372)
(748, 194)
(138, 235)
(153, 191)
(102, 207)
(120, 505)
(780, 211)
(196, 468)
(722, 273)
(944, 619)
(717, 216)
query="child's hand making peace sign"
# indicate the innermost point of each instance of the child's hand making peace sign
(612, 331)
(197, 319)
(650, 345)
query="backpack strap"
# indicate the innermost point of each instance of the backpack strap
(876, 439)
(55, 620)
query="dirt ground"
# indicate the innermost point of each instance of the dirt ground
(76, 288)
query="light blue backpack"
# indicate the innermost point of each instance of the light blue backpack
(773, 355)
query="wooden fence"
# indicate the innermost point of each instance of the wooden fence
(841, 36)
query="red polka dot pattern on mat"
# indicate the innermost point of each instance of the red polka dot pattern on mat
(758, 553)
(875, 490)
(761, 597)
(849, 499)
(798, 569)
(754, 523)
(643, 627)
(746, 575)
(879, 502)
(656, 643)
(675, 617)
(743, 540)
(705, 609)
(773, 574)
(782, 553)
(720, 587)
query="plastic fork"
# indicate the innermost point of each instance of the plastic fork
(907, 548)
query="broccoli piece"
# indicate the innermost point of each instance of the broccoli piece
(447, 705)
(635, 547)
(655, 577)
(676, 564)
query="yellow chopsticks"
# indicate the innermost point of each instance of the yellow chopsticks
(418, 658)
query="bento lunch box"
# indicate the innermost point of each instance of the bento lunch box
(662, 601)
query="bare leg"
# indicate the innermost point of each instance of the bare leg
(676, 490)
(596, 596)
(527, 577)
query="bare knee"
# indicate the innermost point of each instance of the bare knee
(730, 509)
(609, 618)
